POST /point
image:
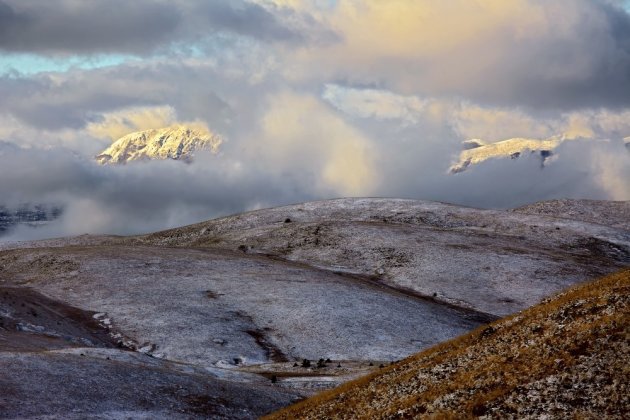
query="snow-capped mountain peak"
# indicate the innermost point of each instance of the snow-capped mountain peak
(476, 151)
(175, 142)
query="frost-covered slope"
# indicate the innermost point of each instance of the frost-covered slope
(609, 213)
(212, 306)
(176, 142)
(477, 151)
(245, 298)
(489, 260)
(565, 358)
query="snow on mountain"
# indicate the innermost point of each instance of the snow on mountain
(26, 214)
(174, 142)
(476, 151)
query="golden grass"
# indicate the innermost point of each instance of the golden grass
(483, 368)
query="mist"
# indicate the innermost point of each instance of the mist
(148, 196)
(315, 100)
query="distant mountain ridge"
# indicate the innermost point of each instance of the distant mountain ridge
(31, 215)
(175, 142)
(477, 151)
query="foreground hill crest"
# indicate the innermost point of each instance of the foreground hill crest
(564, 358)
(176, 142)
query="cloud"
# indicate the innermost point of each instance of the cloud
(303, 139)
(375, 103)
(135, 198)
(318, 99)
(612, 168)
(68, 26)
(469, 120)
(244, 18)
(139, 27)
(114, 125)
(74, 99)
(562, 54)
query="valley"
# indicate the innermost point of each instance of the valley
(240, 316)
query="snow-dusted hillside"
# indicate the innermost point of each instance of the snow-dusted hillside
(238, 301)
(565, 358)
(491, 260)
(476, 150)
(608, 213)
(175, 142)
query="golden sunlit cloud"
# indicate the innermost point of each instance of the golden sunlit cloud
(300, 133)
(117, 124)
(469, 120)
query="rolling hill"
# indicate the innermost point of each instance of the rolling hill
(243, 315)
(564, 358)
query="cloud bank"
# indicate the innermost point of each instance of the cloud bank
(138, 27)
(316, 99)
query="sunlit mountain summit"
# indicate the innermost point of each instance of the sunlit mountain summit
(176, 142)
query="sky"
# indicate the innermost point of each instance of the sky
(315, 99)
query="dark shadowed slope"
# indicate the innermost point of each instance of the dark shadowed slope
(566, 357)
(108, 384)
(60, 361)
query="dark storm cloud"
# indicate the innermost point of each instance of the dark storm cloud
(561, 54)
(588, 67)
(77, 98)
(85, 27)
(588, 70)
(121, 26)
(243, 18)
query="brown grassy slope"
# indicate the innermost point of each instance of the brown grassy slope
(566, 357)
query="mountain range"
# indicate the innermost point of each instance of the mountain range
(179, 142)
